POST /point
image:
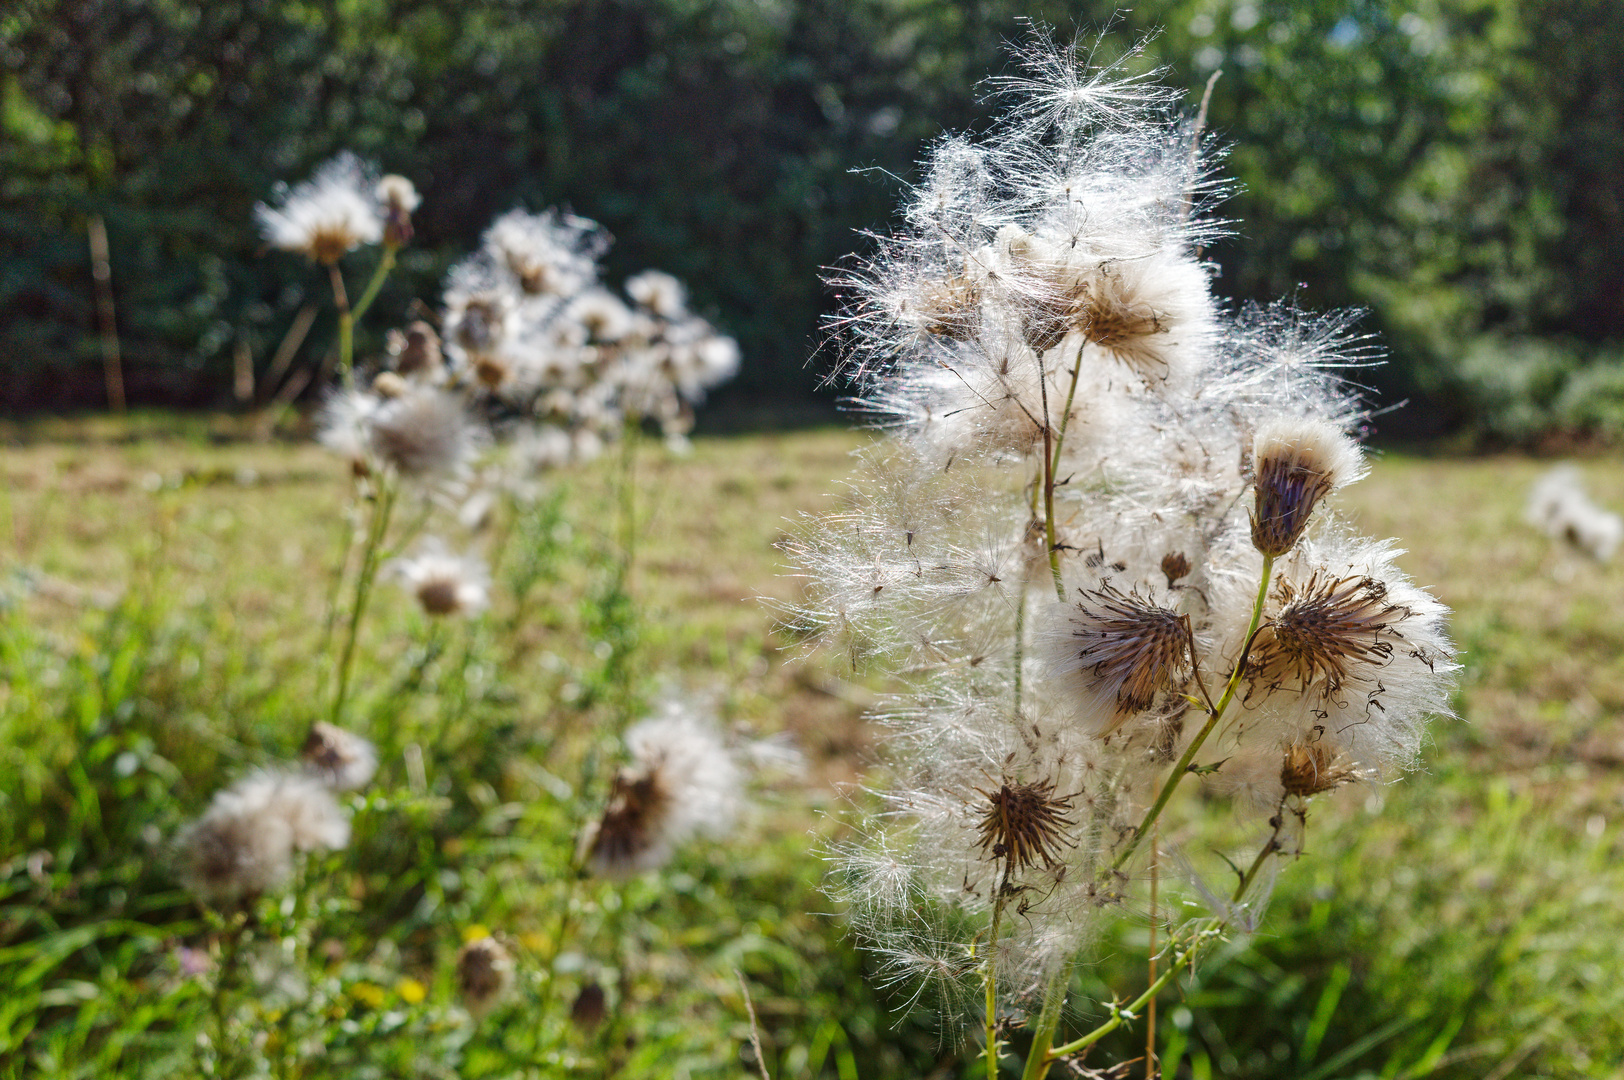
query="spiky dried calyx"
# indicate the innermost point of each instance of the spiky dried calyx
(1025, 824)
(1324, 628)
(1313, 768)
(1132, 649)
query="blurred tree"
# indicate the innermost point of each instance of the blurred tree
(1455, 165)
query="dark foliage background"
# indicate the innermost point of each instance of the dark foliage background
(1455, 166)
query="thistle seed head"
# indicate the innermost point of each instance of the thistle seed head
(1297, 463)
(327, 216)
(1324, 630)
(399, 198)
(631, 826)
(341, 759)
(416, 352)
(1313, 768)
(484, 974)
(1025, 823)
(1121, 652)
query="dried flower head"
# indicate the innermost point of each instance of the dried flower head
(235, 851)
(327, 216)
(484, 974)
(444, 583)
(399, 198)
(1175, 567)
(422, 432)
(1297, 463)
(416, 352)
(659, 292)
(341, 759)
(590, 1007)
(682, 780)
(1025, 824)
(1117, 652)
(1313, 768)
(1323, 629)
(244, 844)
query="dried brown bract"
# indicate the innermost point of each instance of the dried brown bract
(1313, 768)
(1131, 651)
(1025, 824)
(1324, 627)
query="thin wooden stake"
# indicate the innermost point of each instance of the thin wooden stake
(101, 271)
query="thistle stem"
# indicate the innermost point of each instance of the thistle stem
(346, 326)
(1120, 1015)
(1054, 997)
(377, 528)
(1213, 717)
(1065, 417)
(1020, 640)
(989, 976)
(1050, 452)
(385, 264)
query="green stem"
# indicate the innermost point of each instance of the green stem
(1213, 717)
(1184, 959)
(1020, 640)
(989, 977)
(1065, 417)
(1054, 997)
(370, 558)
(385, 264)
(1050, 452)
(346, 326)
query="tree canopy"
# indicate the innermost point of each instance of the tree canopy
(1455, 166)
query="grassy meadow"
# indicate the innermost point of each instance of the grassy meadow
(165, 594)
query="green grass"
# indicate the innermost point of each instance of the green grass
(163, 597)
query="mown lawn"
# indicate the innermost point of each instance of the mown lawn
(164, 600)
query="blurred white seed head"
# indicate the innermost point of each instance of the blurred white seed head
(422, 433)
(444, 583)
(682, 780)
(327, 216)
(484, 975)
(341, 759)
(1559, 506)
(659, 292)
(244, 844)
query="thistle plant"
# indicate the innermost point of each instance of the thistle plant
(1099, 548)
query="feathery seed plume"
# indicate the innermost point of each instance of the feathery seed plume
(327, 216)
(444, 583)
(341, 759)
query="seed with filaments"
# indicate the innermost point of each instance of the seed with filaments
(1312, 768)
(1025, 824)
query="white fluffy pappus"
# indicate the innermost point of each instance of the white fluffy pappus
(327, 216)
(682, 781)
(1559, 506)
(443, 582)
